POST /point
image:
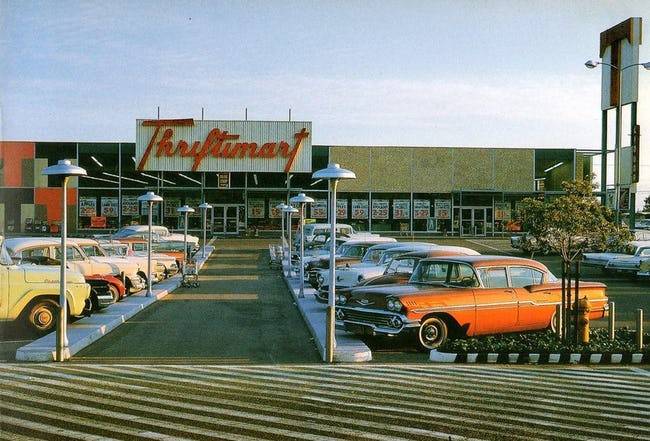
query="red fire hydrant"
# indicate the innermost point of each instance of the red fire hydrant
(583, 320)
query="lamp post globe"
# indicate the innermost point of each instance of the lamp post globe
(204, 208)
(149, 198)
(185, 209)
(333, 173)
(302, 199)
(289, 210)
(66, 170)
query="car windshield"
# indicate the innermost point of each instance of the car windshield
(372, 256)
(401, 265)
(445, 274)
(5, 258)
(388, 256)
(354, 251)
(93, 251)
(115, 250)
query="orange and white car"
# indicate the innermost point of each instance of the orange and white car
(462, 295)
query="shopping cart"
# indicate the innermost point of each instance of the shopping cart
(190, 275)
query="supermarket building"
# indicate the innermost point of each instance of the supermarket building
(246, 168)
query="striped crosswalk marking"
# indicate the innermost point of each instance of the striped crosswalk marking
(317, 402)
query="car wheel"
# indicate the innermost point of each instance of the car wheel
(115, 293)
(433, 332)
(41, 316)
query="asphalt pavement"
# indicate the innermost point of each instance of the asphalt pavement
(241, 313)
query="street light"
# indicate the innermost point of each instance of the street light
(282, 207)
(204, 208)
(333, 173)
(187, 210)
(149, 198)
(289, 210)
(592, 64)
(65, 169)
(302, 199)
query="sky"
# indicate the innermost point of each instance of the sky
(424, 73)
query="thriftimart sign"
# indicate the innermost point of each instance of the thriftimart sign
(223, 146)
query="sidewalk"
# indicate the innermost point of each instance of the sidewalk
(90, 329)
(348, 348)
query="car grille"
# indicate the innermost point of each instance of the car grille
(367, 317)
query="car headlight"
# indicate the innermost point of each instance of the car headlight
(394, 305)
(341, 299)
(340, 314)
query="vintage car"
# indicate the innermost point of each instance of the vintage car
(158, 234)
(462, 296)
(600, 260)
(315, 229)
(30, 294)
(93, 249)
(355, 275)
(48, 247)
(374, 263)
(138, 247)
(633, 264)
(351, 251)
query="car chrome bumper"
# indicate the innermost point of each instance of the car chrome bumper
(372, 322)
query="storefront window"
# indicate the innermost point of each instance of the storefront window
(101, 162)
(54, 152)
(99, 208)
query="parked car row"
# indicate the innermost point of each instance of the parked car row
(99, 274)
(634, 260)
(429, 293)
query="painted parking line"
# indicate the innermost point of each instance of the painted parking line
(217, 297)
(500, 250)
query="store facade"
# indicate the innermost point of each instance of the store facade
(246, 168)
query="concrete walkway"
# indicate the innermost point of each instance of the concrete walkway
(90, 329)
(348, 349)
(240, 314)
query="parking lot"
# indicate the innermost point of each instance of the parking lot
(242, 313)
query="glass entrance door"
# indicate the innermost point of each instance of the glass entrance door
(473, 221)
(226, 219)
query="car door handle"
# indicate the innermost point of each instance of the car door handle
(510, 291)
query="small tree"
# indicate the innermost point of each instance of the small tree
(570, 225)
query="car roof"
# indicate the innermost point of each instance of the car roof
(82, 241)
(435, 252)
(23, 242)
(385, 246)
(483, 261)
(370, 241)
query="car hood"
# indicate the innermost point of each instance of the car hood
(365, 271)
(49, 274)
(121, 263)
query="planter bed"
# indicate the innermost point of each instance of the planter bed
(543, 348)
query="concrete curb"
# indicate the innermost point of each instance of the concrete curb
(90, 329)
(348, 349)
(538, 358)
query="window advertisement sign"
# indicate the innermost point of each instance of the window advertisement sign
(421, 209)
(171, 205)
(275, 213)
(380, 208)
(130, 205)
(502, 211)
(223, 180)
(443, 208)
(319, 209)
(341, 208)
(109, 206)
(87, 206)
(359, 208)
(401, 209)
(256, 209)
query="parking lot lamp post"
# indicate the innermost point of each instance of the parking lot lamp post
(282, 207)
(186, 209)
(149, 198)
(65, 169)
(302, 199)
(333, 173)
(592, 64)
(204, 208)
(289, 211)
